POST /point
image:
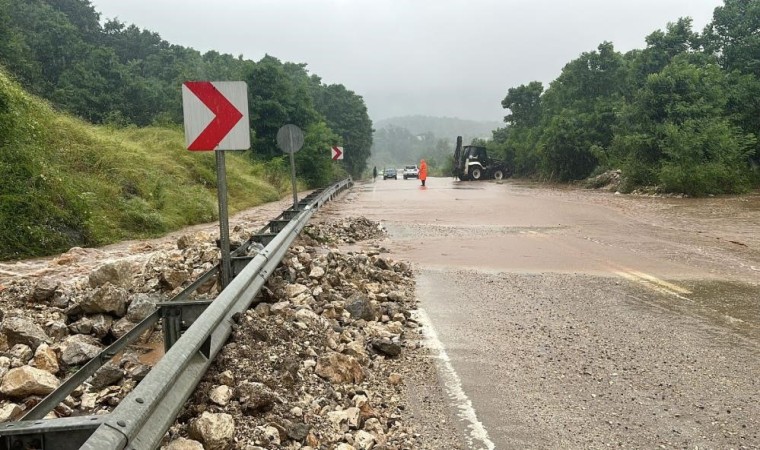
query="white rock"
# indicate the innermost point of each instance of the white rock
(88, 400)
(215, 431)
(221, 395)
(184, 444)
(316, 273)
(9, 412)
(363, 440)
(227, 378)
(279, 307)
(353, 415)
(294, 290)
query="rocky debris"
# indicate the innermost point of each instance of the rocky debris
(61, 320)
(317, 365)
(57, 323)
(349, 231)
(255, 397)
(609, 180)
(20, 355)
(360, 307)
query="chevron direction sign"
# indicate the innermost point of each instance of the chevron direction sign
(337, 153)
(216, 115)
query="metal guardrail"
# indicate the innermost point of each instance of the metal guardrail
(142, 418)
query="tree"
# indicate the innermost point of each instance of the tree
(524, 102)
(580, 112)
(346, 114)
(734, 36)
(676, 132)
(275, 99)
(662, 46)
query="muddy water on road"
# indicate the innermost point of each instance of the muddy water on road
(594, 289)
(524, 228)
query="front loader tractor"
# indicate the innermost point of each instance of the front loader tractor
(471, 162)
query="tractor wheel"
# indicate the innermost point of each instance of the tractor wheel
(498, 174)
(477, 173)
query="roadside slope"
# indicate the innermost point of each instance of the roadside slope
(66, 183)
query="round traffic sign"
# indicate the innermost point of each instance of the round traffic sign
(289, 138)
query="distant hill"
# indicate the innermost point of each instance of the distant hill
(442, 127)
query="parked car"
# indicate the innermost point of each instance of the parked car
(390, 173)
(411, 172)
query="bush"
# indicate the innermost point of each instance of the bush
(705, 157)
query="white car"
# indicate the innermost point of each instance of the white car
(411, 172)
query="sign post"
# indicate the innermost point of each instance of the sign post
(290, 140)
(216, 119)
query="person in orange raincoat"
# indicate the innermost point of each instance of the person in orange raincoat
(423, 171)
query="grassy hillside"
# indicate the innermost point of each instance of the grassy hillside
(66, 183)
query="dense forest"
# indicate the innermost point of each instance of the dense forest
(120, 74)
(405, 140)
(681, 115)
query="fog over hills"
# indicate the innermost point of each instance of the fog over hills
(442, 127)
(405, 140)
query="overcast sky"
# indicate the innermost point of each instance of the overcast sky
(453, 58)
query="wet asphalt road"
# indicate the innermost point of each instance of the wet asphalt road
(576, 319)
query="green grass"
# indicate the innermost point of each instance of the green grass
(65, 183)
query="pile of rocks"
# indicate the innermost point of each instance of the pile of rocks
(317, 363)
(348, 231)
(609, 181)
(53, 325)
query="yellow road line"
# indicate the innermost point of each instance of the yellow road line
(662, 283)
(653, 283)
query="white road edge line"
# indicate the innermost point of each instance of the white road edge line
(453, 384)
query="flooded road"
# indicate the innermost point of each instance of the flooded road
(579, 319)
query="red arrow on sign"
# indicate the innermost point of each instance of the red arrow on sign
(226, 116)
(337, 153)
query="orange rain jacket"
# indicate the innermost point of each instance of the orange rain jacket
(423, 170)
